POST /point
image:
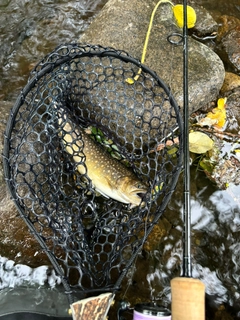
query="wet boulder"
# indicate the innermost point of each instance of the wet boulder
(231, 82)
(231, 46)
(205, 25)
(124, 24)
(231, 90)
(226, 23)
(228, 44)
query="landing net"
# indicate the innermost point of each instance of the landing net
(76, 91)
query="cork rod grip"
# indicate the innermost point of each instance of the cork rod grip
(188, 299)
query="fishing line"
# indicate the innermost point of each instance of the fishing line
(131, 80)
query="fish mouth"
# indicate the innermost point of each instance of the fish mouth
(141, 194)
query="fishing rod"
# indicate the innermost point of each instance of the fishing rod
(188, 294)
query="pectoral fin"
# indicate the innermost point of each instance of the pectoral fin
(102, 193)
(104, 188)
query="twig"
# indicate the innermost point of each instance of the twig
(220, 134)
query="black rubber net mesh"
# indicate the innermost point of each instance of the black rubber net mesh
(77, 97)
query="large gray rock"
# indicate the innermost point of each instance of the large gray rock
(123, 25)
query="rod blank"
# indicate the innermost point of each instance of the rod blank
(188, 294)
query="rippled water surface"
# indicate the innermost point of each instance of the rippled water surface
(31, 29)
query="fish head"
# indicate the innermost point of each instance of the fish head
(132, 190)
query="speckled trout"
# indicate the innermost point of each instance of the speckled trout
(109, 176)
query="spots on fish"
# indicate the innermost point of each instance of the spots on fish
(109, 176)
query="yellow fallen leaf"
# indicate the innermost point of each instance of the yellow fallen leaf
(219, 113)
(221, 103)
(217, 117)
(199, 142)
(207, 122)
(178, 14)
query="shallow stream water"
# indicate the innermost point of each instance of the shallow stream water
(31, 29)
